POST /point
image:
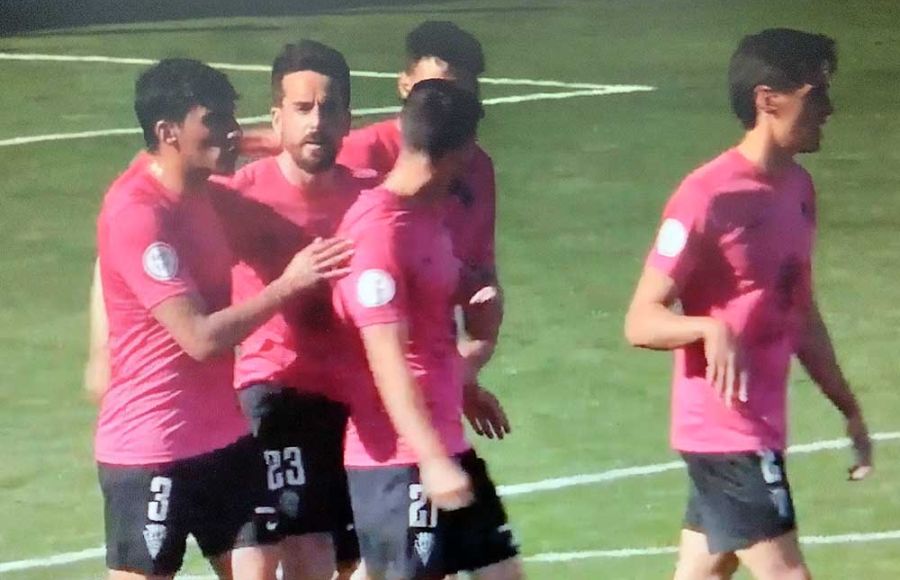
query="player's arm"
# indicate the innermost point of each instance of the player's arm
(96, 371)
(447, 486)
(204, 335)
(260, 142)
(816, 354)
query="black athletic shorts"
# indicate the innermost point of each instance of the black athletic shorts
(219, 497)
(738, 499)
(302, 437)
(401, 536)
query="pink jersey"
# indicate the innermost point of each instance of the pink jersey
(404, 271)
(270, 220)
(738, 244)
(161, 404)
(471, 214)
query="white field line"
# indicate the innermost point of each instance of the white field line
(605, 90)
(652, 469)
(267, 68)
(552, 484)
(854, 538)
(555, 557)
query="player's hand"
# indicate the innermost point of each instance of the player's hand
(446, 484)
(862, 448)
(259, 143)
(724, 370)
(484, 412)
(319, 261)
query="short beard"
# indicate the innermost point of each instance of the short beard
(311, 166)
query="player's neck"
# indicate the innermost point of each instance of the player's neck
(171, 171)
(302, 179)
(414, 176)
(761, 149)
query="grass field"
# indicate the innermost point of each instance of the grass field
(581, 183)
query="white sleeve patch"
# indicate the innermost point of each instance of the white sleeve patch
(375, 288)
(161, 262)
(672, 238)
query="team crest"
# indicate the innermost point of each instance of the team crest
(424, 545)
(160, 261)
(154, 536)
(375, 288)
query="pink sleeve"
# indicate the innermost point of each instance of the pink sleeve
(375, 290)
(360, 151)
(485, 253)
(678, 246)
(143, 253)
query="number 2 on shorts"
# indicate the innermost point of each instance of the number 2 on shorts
(422, 513)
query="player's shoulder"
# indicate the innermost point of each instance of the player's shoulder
(133, 192)
(483, 157)
(713, 177)
(375, 210)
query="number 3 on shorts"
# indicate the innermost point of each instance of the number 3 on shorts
(158, 509)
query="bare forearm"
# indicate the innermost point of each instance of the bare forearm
(221, 331)
(816, 354)
(654, 326)
(476, 354)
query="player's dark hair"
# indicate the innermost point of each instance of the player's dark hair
(439, 117)
(446, 41)
(168, 91)
(781, 58)
(312, 56)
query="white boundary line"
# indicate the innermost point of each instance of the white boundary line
(550, 557)
(607, 90)
(644, 470)
(582, 90)
(553, 484)
(266, 68)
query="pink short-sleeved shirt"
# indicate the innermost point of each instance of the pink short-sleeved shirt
(471, 213)
(738, 244)
(268, 220)
(161, 404)
(403, 271)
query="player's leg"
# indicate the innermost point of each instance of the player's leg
(308, 556)
(346, 544)
(233, 519)
(144, 511)
(695, 562)
(740, 501)
(478, 538)
(776, 559)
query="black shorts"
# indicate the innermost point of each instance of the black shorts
(738, 499)
(302, 437)
(219, 497)
(402, 537)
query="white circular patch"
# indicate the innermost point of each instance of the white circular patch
(672, 238)
(161, 261)
(375, 288)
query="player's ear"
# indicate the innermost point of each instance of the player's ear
(404, 85)
(766, 100)
(276, 120)
(166, 132)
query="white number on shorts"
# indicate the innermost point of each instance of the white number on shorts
(158, 509)
(422, 514)
(771, 471)
(284, 466)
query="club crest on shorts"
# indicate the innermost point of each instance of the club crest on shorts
(160, 261)
(154, 536)
(424, 545)
(375, 288)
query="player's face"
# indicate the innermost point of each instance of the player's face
(312, 120)
(803, 113)
(432, 67)
(208, 138)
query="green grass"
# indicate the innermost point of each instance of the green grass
(581, 184)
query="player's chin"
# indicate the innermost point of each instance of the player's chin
(225, 164)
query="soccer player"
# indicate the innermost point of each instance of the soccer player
(423, 502)
(173, 450)
(289, 371)
(735, 250)
(439, 49)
